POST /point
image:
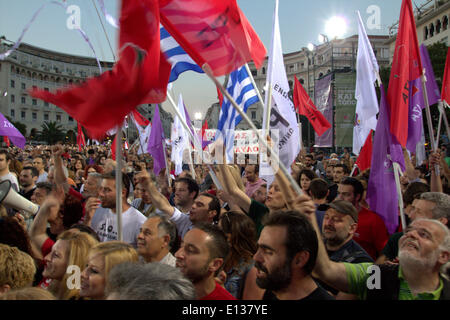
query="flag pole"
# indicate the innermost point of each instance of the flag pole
(261, 102)
(429, 121)
(208, 71)
(353, 170)
(167, 163)
(119, 183)
(442, 111)
(397, 171)
(438, 129)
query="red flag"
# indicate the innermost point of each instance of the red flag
(220, 96)
(307, 108)
(365, 155)
(143, 122)
(140, 76)
(406, 67)
(213, 32)
(81, 141)
(446, 82)
(6, 140)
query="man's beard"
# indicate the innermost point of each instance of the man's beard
(198, 275)
(277, 280)
(409, 261)
(336, 240)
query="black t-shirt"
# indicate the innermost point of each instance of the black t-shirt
(318, 294)
(391, 248)
(27, 194)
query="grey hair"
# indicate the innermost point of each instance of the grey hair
(96, 175)
(165, 226)
(442, 202)
(151, 281)
(445, 244)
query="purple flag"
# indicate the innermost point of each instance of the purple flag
(416, 102)
(155, 143)
(381, 190)
(324, 103)
(8, 130)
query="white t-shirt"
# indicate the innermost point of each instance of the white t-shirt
(42, 177)
(104, 223)
(14, 183)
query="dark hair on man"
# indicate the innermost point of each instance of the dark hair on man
(214, 204)
(34, 171)
(191, 184)
(318, 188)
(300, 235)
(256, 167)
(358, 188)
(344, 167)
(43, 158)
(45, 185)
(309, 155)
(126, 182)
(6, 153)
(218, 246)
(86, 229)
(413, 191)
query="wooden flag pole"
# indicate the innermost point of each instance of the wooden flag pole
(353, 170)
(167, 163)
(208, 71)
(397, 172)
(119, 183)
(429, 121)
(261, 102)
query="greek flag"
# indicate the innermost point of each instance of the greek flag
(241, 89)
(176, 56)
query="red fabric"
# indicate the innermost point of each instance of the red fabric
(446, 82)
(219, 293)
(213, 32)
(6, 139)
(406, 67)
(140, 76)
(140, 119)
(306, 107)
(220, 96)
(81, 141)
(371, 232)
(47, 247)
(365, 155)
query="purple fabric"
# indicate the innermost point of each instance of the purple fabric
(324, 103)
(155, 143)
(381, 191)
(8, 130)
(416, 102)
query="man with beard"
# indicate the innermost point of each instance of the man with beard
(287, 251)
(253, 180)
(27, 180)
(201, 257)
(423, 250)
(186, 190)
(101, 212)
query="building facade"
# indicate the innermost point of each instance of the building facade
(33, 67)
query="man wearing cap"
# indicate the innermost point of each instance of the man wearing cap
(338, 227)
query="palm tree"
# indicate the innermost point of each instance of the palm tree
(51, 132)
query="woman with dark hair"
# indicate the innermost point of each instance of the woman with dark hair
(241, 234)
(14, 235)
(305, 178)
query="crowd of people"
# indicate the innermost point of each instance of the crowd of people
(184, 238)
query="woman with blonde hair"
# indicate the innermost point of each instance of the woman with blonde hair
(70, 250)
(102, 258)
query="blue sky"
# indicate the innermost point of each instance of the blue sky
(301, 21)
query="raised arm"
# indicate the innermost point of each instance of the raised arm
(240, 198)
(158, 199)
(60, 176)
(435, 179)
(38, 233)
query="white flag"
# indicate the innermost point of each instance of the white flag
(282, 115)
(365, 94)
(179, 139)
(144, 135)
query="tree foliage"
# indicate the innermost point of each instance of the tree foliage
(51, 132)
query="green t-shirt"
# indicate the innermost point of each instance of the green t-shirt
(257, 212)
(357, 275)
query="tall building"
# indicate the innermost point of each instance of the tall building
(29, 67)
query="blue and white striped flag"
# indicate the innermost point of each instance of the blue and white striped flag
(176, 56)
(241, 89)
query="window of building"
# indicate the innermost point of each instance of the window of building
(13, 113)
(45, 116)
(264, 70)
(13, 98)
(23, 100)
(23, 86)
(45, 89)
(445, 23)
(58, 118)
(34, 102)
(22, 115)
(13, 84)
(302, 81)
(34, 116)
(431, 30)
(46, 104)
(253, 115)
(254, 73)
(438, 26)
(70, 119)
